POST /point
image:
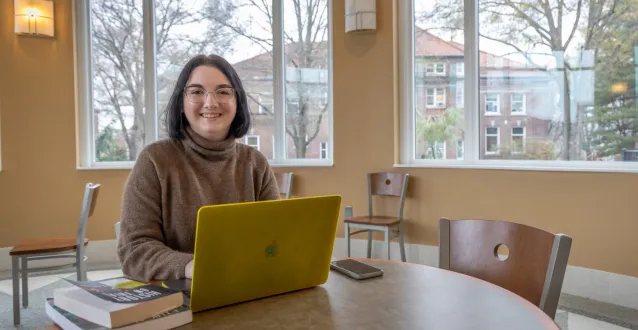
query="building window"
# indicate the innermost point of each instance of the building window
(582, 113)
(124, 89)
(435, 151)
(518, 140)
(324, 150)
(435, 97)
(252, 140)
(491, 140)
(435, 69)
(492, 104)
(460, 95)
(460, 69)
(518, 103)
(459, 149)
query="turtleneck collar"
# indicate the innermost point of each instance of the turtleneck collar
(209, 149)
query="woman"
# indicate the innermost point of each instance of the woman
(201, 164)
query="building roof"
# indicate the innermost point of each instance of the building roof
(427, 44)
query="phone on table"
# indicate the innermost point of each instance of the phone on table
(355, 269)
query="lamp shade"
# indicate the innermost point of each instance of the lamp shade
(361, 15)
(34, 17)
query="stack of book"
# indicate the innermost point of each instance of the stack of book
(117, 303)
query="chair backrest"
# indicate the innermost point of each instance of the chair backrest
(534, 267)
(284, 182)
(91, 192)
(387, 184)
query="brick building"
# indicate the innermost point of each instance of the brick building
(516, 102)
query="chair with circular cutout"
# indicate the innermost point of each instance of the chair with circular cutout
(381, 184)
(527, 261)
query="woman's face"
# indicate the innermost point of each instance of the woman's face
(210, 103)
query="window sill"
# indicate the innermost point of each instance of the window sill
(489, 114)
(558, 166)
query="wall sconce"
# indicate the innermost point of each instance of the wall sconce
(361, 15)
(34, 17)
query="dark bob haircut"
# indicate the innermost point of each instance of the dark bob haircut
(175, 119)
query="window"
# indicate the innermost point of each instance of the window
(435, 69)
(324, 150)
(491, 140)
(460, 95)
(459, 149)
(123, 91)
(252, 140)
(435, 150)
(492, 104)
(264, 105)
(518, 140)
(460, 69)
(518, 103)
(577, 92)
(435, 97)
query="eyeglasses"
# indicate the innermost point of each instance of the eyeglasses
(198, 94)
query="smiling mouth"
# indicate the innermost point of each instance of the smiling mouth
(211, 115)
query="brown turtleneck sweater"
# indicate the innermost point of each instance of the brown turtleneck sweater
(170, 181)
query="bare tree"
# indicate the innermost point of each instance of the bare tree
(548, 25)
(118, 57)
(306, 58)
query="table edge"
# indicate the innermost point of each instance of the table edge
(547, 322)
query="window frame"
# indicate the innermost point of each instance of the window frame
(498, 140)
(523, 108)
(498, 104)
(248, 136)
(434, 105)
(471, 130)
(434, 66)
(323, 149)
(85, 140)
(523, 137)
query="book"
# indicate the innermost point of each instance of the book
(116, 302)
(164, 321)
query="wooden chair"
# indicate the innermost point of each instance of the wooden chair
(51, 248)
(284, 182)
(382, 184)
(534, 267)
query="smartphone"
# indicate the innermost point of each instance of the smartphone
(355, 269)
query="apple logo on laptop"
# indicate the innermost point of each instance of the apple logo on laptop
(271, 249)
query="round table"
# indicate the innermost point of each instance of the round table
(407, 296)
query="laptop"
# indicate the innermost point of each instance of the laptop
(247, 251)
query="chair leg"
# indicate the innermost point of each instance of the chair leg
(25, 282)
(15, 271)
(401, 243)
(347, 234)
(80, 270)
(369, 244)
(387, 240)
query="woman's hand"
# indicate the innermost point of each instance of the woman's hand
(189, 269)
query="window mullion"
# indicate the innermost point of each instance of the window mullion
(279, 83)
(406, 67)
(85, 86)
(150, 82)
(472, 83)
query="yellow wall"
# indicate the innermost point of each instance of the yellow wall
(40, 189)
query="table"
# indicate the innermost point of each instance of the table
(408, 296)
